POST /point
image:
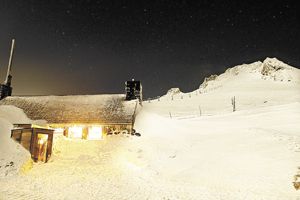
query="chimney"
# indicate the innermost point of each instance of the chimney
(133, 90)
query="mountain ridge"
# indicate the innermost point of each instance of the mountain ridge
(270, 69)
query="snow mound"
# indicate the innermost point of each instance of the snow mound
(244, 68)
(171, 94)
(13, 115)
(12, 154)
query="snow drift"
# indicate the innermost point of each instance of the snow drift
(12, 155)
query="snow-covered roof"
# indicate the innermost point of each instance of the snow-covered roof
(105, 109)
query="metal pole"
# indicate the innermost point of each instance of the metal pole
(10, 61)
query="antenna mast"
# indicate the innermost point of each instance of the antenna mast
(5, 88)
(8, 75)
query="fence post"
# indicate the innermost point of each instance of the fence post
(200, 112)
(233, 104)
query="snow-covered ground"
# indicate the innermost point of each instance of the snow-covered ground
(12, 155)
(192, 146)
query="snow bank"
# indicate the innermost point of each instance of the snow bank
(13, 115)
(12, 155)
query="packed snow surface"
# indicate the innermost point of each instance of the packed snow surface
(192, 146)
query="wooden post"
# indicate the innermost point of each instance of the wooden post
(200, 112)
(233, 104)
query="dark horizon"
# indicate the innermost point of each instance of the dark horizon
(93, 47)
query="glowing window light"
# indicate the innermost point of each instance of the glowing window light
(41, 141)
(59, 130)
(95, 133)
(42, 138)
(75, 132)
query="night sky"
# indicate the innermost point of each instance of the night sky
(92, 47)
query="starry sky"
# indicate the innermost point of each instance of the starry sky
(93, 46)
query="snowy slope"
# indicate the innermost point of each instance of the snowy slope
(258, 84)
(230, 156)
(251, 154)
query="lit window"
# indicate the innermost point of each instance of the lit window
(75, 132)
(95, 133)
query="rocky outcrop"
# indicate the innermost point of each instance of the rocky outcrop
(173, 91)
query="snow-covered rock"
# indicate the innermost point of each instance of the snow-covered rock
(207, 79)
(173, 91)
(277, 70)
(269, 69)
